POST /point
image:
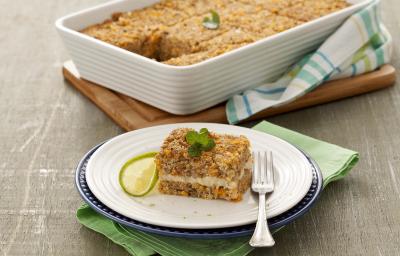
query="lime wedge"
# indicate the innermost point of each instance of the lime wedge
(138, 176)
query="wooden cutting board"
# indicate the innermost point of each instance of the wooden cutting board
(132, 114)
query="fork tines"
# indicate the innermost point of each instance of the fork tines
(263, 170)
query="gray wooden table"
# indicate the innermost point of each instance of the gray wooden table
(46, 126)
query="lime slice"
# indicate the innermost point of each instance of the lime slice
(139, 175)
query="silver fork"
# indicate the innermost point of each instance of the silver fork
(262, 183)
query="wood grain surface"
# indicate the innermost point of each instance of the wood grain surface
(46, 126)
(131, 114)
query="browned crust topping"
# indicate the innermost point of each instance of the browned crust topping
(225, 160)
(171, 31)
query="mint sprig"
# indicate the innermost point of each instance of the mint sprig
(199, 141)
(213, 22)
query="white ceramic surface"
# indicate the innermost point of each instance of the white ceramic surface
(188, 89)
(293, 180)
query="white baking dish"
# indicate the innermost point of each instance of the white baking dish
(188, 89)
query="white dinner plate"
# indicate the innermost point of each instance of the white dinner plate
(293, 177)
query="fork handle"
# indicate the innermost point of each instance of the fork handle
(262, 236)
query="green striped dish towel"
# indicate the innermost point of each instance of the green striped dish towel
(360, 45)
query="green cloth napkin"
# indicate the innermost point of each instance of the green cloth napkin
(335, 162)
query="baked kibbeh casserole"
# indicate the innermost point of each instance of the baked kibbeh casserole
(204, 165)
(185, 32)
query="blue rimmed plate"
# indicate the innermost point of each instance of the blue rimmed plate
(276, 222)
(292, 172)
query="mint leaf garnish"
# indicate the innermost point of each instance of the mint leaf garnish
(199, 142)
(210, 145)
(204, 130)
(203, 139)
(213, 22)
(194, 150)
(191, 137)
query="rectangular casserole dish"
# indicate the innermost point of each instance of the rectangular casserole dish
(184, 90)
